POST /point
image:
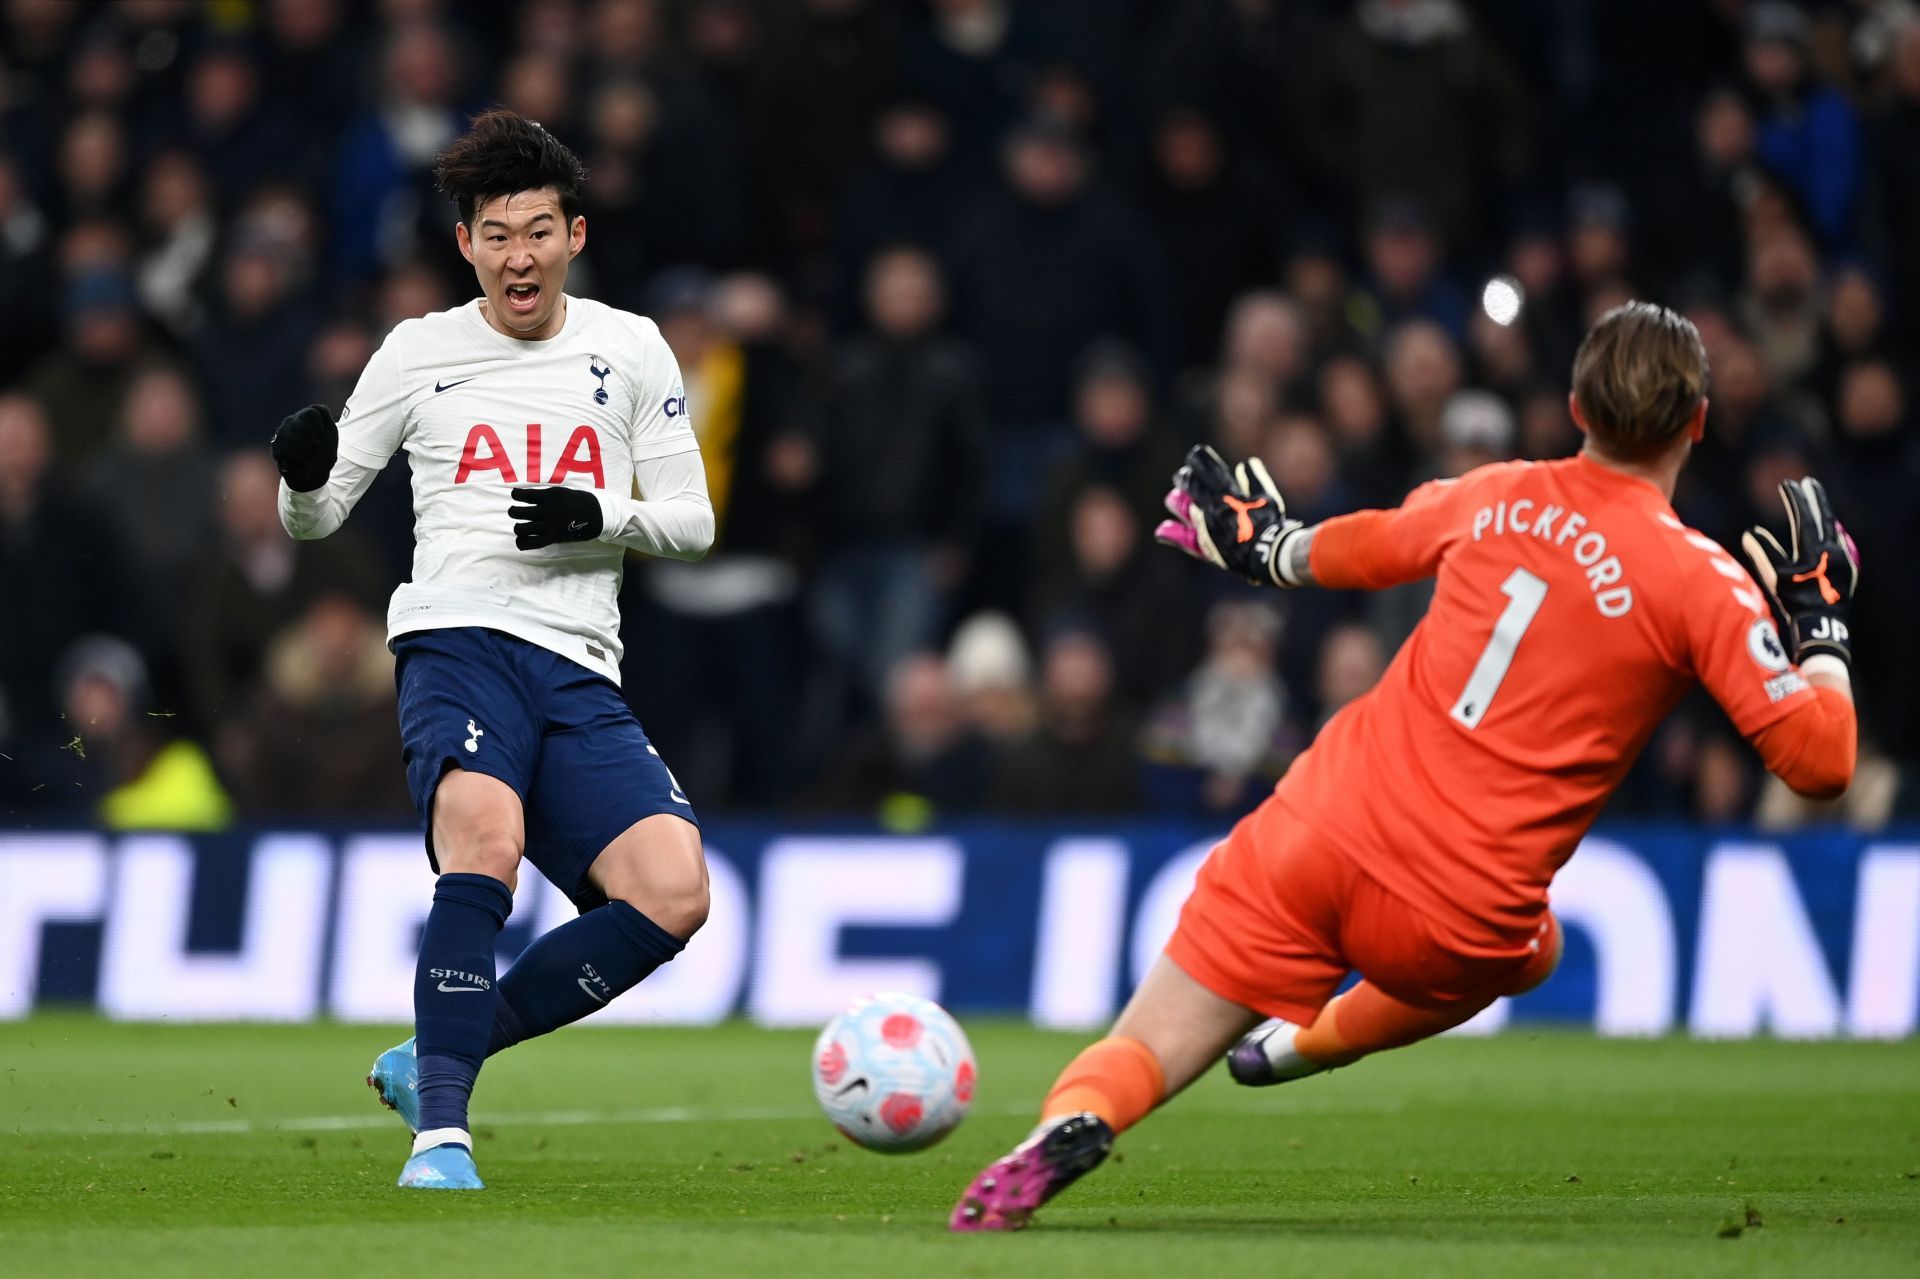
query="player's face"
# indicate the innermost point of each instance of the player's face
(520, 246)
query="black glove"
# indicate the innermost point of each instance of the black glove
(1811, 580)
(556, 514)
(1233, 519)
(305, 447)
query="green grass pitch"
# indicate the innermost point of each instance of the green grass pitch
(203, 1151)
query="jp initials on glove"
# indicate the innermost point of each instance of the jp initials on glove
(1810, 580)
(1234, 519)
(556, 514)
(305, 446)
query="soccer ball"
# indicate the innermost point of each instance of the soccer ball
(894, 1073)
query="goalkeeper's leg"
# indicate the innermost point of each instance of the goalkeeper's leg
(1368, 1019)
(1170, 1033)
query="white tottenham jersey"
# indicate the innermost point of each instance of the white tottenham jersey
(478, 413)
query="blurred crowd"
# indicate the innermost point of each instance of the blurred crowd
(953, 284)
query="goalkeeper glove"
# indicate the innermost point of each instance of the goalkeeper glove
(1234, 519)
(1811, 580)
(305, 447)
(556, 514)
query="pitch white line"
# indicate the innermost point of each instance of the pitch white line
(580, 1118)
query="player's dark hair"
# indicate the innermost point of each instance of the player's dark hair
(1639, 377)
(504, 153)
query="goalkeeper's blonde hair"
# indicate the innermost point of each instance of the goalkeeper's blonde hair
(1639, 377)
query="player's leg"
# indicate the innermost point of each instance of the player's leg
(469, 742)
(477, 839)
(1368, 1019)
(653, 879)
(1170, 1032)
(611, 827)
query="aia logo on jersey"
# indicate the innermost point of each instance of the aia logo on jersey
(483, 451)
(593, 367)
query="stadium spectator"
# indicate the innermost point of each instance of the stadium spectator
(1423, 371)
(1893, 142)
(61, 574)
(723, 640)
(1118, 445)
(82, 384)
(239, 135)
(178, 235)
(116, 760)
(27, 290)
(978, 59)
(161, 484)
(252, 348)
(1041, 270)
(1809, 133)
(1405, 280)
(911, 191)
(318, 736)
(827, 68)
(256, 583)
(93, 164)
(1114, 586)
(899, 460)
(314, 68)
(926, 763)
(1220, 221)
(992, 673)
(1080, 757)
(1224, 737)
(1408, 97)
(383, 198)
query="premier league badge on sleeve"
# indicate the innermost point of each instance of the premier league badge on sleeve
(593, 366)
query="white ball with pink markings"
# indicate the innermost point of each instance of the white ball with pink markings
(894, 1073)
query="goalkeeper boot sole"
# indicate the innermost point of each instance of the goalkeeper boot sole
(1265, 1055)
(1009, 1190)
(395, 1080)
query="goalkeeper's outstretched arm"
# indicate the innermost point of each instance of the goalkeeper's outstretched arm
(1235, 519)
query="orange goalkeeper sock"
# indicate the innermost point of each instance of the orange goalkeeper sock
(1368, 1020)
(1118, 1079)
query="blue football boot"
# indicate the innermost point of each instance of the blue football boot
(448, 1167)
(395, 1079)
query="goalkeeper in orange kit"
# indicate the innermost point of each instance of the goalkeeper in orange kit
(1414, 842)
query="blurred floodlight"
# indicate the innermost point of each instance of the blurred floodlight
(1501, 300)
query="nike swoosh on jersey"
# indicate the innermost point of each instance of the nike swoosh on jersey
(591, 992)
(576, 526)
(452, 989)
(448, 386)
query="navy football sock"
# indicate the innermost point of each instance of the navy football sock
(575, 970)
(454, 994)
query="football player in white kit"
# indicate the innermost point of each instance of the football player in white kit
(530, 418)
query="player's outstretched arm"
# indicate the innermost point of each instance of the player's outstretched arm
(1810, 582)
(317, 486)
(1235, 519)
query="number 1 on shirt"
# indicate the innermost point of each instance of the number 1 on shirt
(1525, 593)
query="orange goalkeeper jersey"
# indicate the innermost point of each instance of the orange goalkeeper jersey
(1571, 610)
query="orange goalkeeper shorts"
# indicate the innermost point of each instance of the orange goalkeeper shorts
(1278, 917)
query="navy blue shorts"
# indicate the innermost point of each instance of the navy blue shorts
(559, 734)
